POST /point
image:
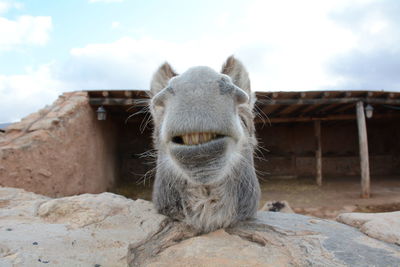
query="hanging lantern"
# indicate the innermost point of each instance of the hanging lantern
(369, 110)
(101, 113)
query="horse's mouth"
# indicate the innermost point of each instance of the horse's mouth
(196, 138)
(200, 155)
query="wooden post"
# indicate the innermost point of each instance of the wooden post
(318, 153)
(363, 142)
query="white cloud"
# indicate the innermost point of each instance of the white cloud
(130, 63)
(297, 37)
(284, 45)
(23, 94)
(25, 30)
(374, 61)
(115, 24)
(105, 1)
(5, 6)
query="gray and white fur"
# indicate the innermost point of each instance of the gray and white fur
(204, 137)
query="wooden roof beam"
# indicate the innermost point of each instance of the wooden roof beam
(338, 117)
(277, 111)
(320, 101)
(344, 108)
(299, 110)
(327, 108)
(109, 101)
(309, 109)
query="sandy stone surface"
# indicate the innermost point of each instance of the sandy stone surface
(273, 239)
(110, 230)
(82, 230)
(383, 226)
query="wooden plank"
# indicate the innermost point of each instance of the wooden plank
(364, 158)
(128, 94)
(318, 153)
(328, 108)
(309, 110)
(339, 117)
(298, 111)
(319, 101)
(345, 107)
(108, 101)
(268, 109)
(316, 111)
(276, 112)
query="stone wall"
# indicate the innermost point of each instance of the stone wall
(60, 150)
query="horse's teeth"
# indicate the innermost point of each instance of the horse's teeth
(206, 137)
(190, 139)
(197, 138)
(202, 138)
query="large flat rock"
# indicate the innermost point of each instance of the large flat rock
(273, 239)
(383, 226)
(111, 230)
(82, 230)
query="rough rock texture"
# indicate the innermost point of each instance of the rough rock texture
(383, 226)
(96, 230)
(326, 212)
(274, 239)
(81, 230)
(60, 150)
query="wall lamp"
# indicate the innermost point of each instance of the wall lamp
(101, 113)
(369, 111)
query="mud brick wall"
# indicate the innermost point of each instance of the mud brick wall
(60, 150)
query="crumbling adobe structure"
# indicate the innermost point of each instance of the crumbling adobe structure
(60, 150)
(64, 150)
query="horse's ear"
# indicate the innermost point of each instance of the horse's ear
(235, 69)
(161, 77)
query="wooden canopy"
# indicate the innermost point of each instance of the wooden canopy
(276, 107)
(289, 107)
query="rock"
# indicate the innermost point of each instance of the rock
(325, 212)
(281, 206)
(96, 230)
(272, 239)
(383, 226)
(44, 124)
(82, 230)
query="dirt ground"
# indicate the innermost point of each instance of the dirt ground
(335, 196)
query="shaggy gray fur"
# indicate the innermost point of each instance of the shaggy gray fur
(211, 185)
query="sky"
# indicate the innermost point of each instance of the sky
(48, 47)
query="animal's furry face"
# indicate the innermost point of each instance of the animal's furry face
(204, 137)
(203, 121)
